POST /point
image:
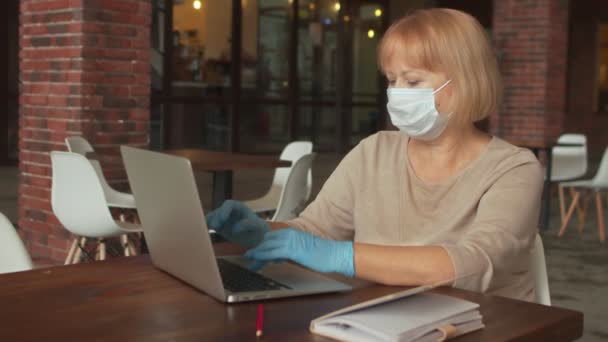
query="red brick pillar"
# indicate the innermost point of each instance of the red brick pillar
(84, 70)
(531, 37)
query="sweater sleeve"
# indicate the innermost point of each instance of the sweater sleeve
(503, 231)
(330, 215)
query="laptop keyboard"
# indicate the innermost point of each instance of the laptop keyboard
(240, 279)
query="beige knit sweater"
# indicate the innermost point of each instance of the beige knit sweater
(485, 216)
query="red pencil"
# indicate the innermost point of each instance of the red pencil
(259, 326)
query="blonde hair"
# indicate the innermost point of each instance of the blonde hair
(454, 43)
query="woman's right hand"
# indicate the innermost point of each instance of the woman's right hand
(234, 221)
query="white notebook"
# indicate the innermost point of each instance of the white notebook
(404, 316)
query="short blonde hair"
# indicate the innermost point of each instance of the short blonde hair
(454, 43)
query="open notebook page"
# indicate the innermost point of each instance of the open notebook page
(408, 317)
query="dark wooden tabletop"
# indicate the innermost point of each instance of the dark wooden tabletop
(205, 160)
(541, 145)
(226, 161)
(127, 299)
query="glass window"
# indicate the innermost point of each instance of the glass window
(318, 124)
(157, 58)
(317, 49)
(199, 125)
(265, 49)
(157, 51)
(366, 34)
(201, 47)
(263, 127)
(602, 89)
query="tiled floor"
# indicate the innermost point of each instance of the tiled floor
(577, 263)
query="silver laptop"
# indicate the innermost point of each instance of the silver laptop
(174, 225)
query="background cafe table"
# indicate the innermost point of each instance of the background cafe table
(128, 299)
(547, 148)
(220, 164)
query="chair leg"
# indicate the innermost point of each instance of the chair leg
(97, 250)
(579, 210)
(102, 249)
(124, 243)
(583, 216)
(600, 216)
(68, 259)
(132, 249)
(562, 204)
(574, 204)
(81, 244)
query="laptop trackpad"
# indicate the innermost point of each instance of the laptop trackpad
(296, 277)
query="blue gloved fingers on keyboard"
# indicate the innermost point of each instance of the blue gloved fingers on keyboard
(314, 252)
(228, 213)
(257, 265)
(271, 248)
(237, 223)
(247, 232)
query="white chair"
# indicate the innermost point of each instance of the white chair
(538, 267)
(117, 199)
(78, 202)
(269, 202)
(598, 185)
(568, 163)
(13, 255)
(294, 193)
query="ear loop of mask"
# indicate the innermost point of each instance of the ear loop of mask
(438, 89)
(443, 86)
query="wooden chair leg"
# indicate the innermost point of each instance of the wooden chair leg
(68, 259)
(102, 249)
(124, 242)
(579, 210)
(600, 216)
(583, 215)
(574, 204)
(82, 242)
(132, 249)
(97, 250)
(562, 204)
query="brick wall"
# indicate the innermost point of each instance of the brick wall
(531, 39)
(84, 68)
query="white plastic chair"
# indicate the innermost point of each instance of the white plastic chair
(294, 194)
(598, 185)
(269, 202)
(117, 199)
(78, 202)
(569, 162)
(13, 255)
(538, 267)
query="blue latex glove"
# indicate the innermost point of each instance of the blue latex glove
(237, 223)
(319, 254)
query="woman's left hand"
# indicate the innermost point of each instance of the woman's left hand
(319, 254)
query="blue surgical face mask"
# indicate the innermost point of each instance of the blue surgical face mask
(413, 112)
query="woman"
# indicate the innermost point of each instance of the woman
(439, 200)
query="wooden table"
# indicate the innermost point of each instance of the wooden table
(127, 299)
(547, 148)
(220, 164)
